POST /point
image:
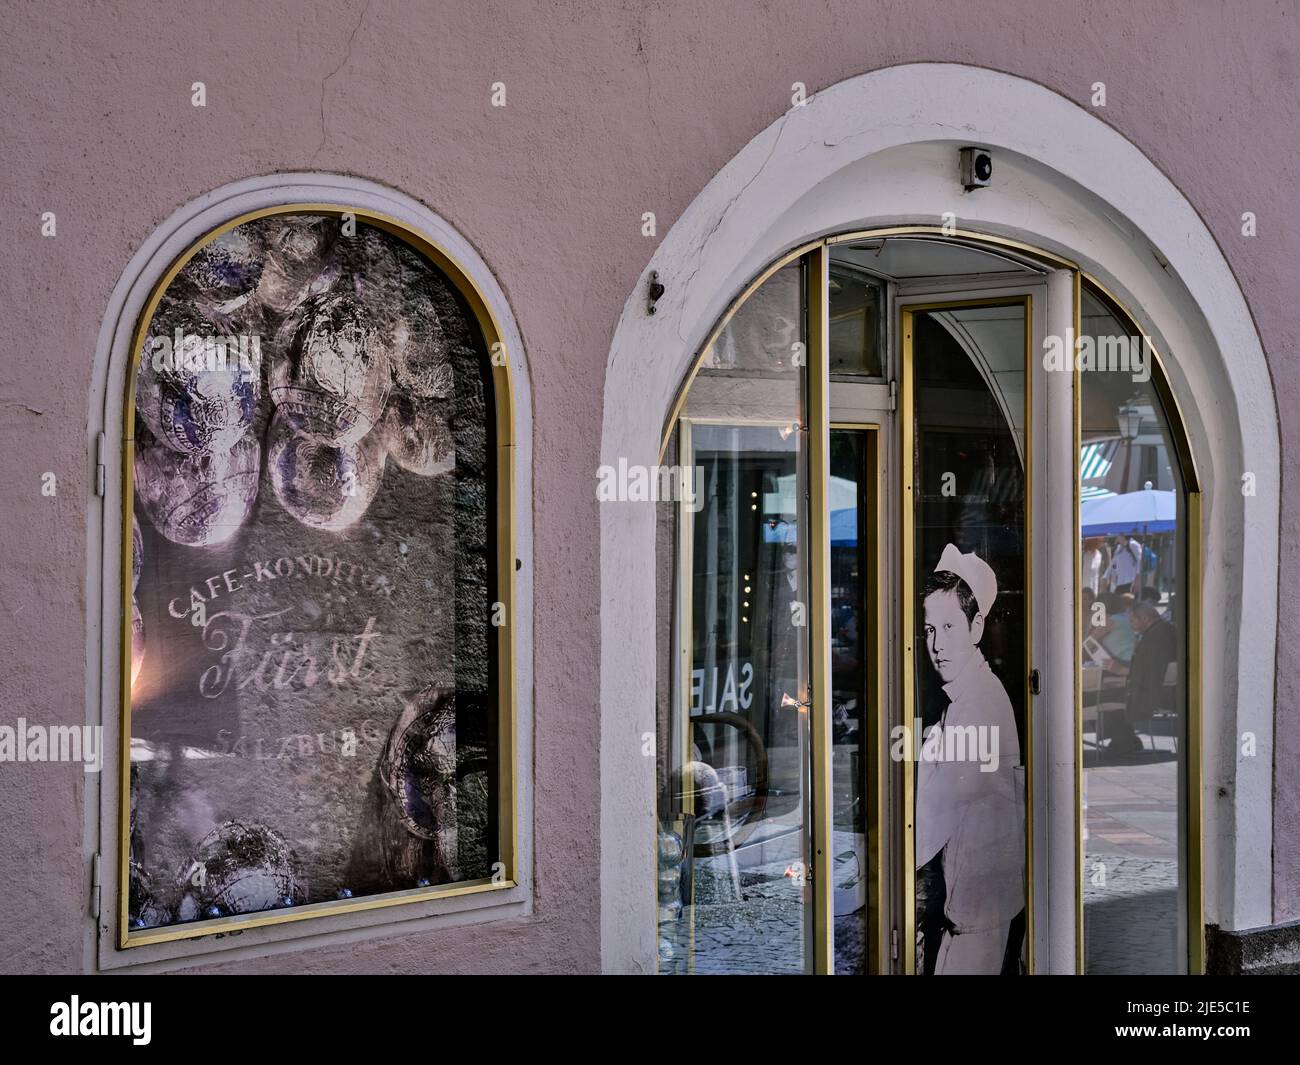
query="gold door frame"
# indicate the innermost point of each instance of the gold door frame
(504, 512)
(818, 416)
(818, 251)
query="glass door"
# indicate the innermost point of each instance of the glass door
(736, 829)
(964, 633)
(844, 704)
(857, 506)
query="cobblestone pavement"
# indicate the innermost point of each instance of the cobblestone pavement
(1131, 902)
(762, 931)
(1132, 906)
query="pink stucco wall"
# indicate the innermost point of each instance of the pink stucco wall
(613, 110)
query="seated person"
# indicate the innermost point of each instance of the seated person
(1157, 646)
(1117, 630)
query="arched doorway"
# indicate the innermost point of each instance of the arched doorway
(884, 168)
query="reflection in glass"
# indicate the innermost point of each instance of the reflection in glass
(733, 756)
(970, 645)
(311, 705)
(856, 321)
(1133, 598)
(765, 337)
(854, 663)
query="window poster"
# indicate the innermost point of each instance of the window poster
(312, 714)
(970, 658)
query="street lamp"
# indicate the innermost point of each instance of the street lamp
(1130, 421)
(1129, 417)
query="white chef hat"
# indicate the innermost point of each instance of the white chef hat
(977, 574)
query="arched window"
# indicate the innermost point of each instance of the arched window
(1139, 531)
(316, 650)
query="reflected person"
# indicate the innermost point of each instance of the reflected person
(1156, 648)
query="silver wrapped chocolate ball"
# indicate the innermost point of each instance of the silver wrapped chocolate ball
(322, 485)
(429, 321)
(295, 248)
(224, 272)
(197, 500)
(197, 389)
(146, 908)
(422, 354)
(418, 768)
(402, 292)
(670, 848)
(239, 867)
(330, 376)
(417, 436)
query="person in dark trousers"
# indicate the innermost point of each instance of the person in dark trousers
(1157, 646)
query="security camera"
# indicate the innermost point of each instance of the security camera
(976, 168)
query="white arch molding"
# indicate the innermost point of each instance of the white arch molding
(877, 150)
(103, 559)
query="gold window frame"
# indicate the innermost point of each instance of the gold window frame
(503, 507)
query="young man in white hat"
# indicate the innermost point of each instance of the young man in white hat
(970, 809)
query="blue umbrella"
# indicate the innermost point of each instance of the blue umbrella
(844, 527)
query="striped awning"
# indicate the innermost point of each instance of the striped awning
(1095, 461)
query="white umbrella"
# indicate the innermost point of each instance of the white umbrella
(843, 495)
(843, 501)
(1147, 511)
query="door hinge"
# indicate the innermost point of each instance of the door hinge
(893, 944)
(1035, 682)
(96, 892)
(893, 395)
(101, 471)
